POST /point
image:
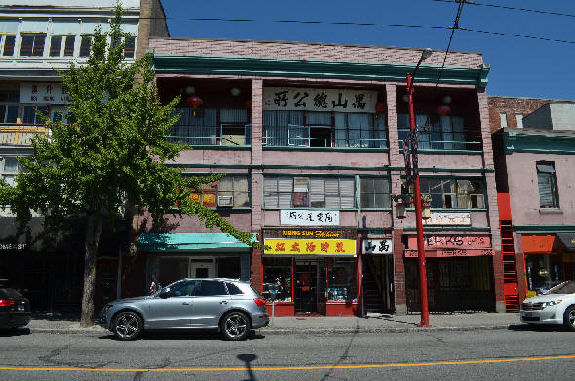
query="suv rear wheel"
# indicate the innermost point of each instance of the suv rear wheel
(235, 326)
(128, 325)
(569, 318)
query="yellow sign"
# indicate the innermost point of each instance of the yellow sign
(310, 246)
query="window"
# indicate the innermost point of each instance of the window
(8, 113)
(375, 192)
(69, 43)
(211, 288)
(323, 129)
(439, 132)
(503, 117)
(32, 45)
(519, 119)
(548, 197)
(233, 289)
(304, 192)
(30, 116)
(277, 275)
(130, 47)
(7, 43)
(9, 168)
(341, 280)
(453, 193)
(55, 46)
(233, 191)
(85, 46)
(184, 288)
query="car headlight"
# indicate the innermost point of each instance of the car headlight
(107, 308)
(551, 303)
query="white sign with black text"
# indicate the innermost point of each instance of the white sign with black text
(462, 218)
(308, 99)
(306, 217)
(43, 93)
(377, 246)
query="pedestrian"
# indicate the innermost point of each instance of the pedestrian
(154, 286)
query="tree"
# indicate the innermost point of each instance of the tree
(109, 153)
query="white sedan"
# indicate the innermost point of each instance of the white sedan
(556, 306)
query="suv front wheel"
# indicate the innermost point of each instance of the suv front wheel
(127, 325)
(235, 326)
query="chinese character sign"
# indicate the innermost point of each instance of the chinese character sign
(43, 93)
(336, 247)
(377, 246)
(463, 218)
(305, 217)
(308, 99)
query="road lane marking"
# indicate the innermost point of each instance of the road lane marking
(234, 369)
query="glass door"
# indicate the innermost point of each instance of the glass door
(305, 287)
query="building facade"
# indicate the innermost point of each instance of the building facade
(39, 38)
(310, 138)
(534, 169)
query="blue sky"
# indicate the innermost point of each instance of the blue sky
(520, 67)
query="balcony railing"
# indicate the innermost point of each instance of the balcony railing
(20, 134)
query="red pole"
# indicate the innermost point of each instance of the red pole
(418, 220)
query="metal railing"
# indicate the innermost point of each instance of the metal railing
(20, 134)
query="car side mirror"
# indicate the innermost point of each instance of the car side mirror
(164, 294)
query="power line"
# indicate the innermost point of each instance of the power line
(453, 29)
(539, 11)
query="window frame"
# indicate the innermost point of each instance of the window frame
(552, 176)
(448, 196)
(373, 194)
(34, 44)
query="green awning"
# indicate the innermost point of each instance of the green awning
(567, 239)
(191, 241)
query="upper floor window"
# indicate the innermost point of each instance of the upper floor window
(130, 47)
(519, 120)
(439, 132)
(32, 44)
(547, 179)
(375, 192)
(304, 192)
(503, 117)
(30, 114)
(9, 168)
(323, 129)
(454, 193)
(212, 126)
(9, 113)
(62, 46)
(232, 191)
(7, 44)
(85, 45)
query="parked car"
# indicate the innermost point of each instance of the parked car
(14, 309)
(556, 306)
(230, 306)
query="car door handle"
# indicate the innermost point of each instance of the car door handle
(223, 302)
(185, 303)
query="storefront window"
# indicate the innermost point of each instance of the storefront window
(453, 193)
(543, 271)
(277, 276)
(341, 280)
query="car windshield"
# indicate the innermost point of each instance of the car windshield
(563, 288)
(9, 293)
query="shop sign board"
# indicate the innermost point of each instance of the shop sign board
(308, 99)
(377, 246)
(451, 241)
(461, 218)
(43, 93)
(12, 246)
(305, 217)
(311, 233)
(447, 253)
(335, 247)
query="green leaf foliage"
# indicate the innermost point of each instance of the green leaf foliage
(112, 149)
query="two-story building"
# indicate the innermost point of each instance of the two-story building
(38, 39)
(310, 136)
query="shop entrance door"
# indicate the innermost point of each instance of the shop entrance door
(305, 287)
(202, 268)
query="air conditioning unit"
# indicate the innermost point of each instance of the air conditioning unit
(225, 200)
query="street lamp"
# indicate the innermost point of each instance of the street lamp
(412, 173)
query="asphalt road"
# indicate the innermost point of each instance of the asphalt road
(473, 355)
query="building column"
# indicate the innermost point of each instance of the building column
(257, 179)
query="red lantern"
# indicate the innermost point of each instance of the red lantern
(248, 104)
(380, 108)
(194, 101)
(443, 110)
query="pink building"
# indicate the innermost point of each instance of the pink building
(310, 137)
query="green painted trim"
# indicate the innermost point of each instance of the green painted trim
(460, 170)
(449, 227)
(518, 142)
(544, 228)
(218, 147)
(368, 71)
(264, 166)
(446, 152)
(323, 149)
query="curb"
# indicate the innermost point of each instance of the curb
(302, 331)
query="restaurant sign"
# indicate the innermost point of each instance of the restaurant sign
(335, 247)
(444, 253)
(448, 219)
(377, 246)
(305, 217)
(43, 93)
(308, 99)
(451, 241)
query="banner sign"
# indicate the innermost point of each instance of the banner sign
(463, 218)
(311, 233)
(43, 93)
(451, 241)
(444, 253)
(377, 246)
(308, 99)
(305, 217)
(339, 247)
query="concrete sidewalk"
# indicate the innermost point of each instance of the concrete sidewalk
(373, 323)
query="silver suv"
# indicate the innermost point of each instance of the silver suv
(231, 306)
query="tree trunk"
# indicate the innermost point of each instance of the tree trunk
(93, 232)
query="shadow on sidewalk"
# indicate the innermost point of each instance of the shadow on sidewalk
(184, 335)
(537, 328)
(14, 332)
(56, 316)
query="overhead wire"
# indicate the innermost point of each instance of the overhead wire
(527, 10)
(453, 29)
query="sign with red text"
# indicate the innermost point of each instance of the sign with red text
(451, 241)
(334, 247)
(462, 218)
(449, 253)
